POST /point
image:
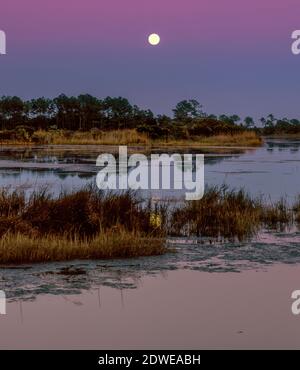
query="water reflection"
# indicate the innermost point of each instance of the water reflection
(29, 281)
(271, 170)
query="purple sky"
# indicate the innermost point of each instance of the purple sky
(234, 56)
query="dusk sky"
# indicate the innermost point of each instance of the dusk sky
(234, 56)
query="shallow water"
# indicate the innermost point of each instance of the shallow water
(272, 170)
(181, 309)
(203, 296)
(26, 282)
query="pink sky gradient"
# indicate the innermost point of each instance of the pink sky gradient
(123, 23)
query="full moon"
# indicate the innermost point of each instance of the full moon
(154, 39)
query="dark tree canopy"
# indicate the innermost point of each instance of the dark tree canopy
(86, 112)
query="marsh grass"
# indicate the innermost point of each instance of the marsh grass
(296, 209)
(113, 137)
(221, 213)
(93, 224)
(225, 214)
(242, 139)
(83, 213)
(246, 138)
(278, 215)
(116, 243)
(233, 215)
(133, 137)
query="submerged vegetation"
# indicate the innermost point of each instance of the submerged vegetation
(90, 224)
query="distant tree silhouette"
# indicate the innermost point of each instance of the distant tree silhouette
(187, 110)
(86, 112)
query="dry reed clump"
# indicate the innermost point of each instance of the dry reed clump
(83, 213)
(221, 213)
(11, 203)
(84, 224)
(296, 209)
(277, 215)
(116, 243)
(229, 214)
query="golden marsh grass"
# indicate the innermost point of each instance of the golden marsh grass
(19, 248)
(89, 224)
(133, 137)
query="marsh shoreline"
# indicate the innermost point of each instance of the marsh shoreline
(94, 224)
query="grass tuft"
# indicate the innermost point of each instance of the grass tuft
(115, 243)
(221, 213)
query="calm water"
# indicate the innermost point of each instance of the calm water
(272, 170)
(203, 296)
(180, 309)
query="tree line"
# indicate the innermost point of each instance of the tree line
(86, 112)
